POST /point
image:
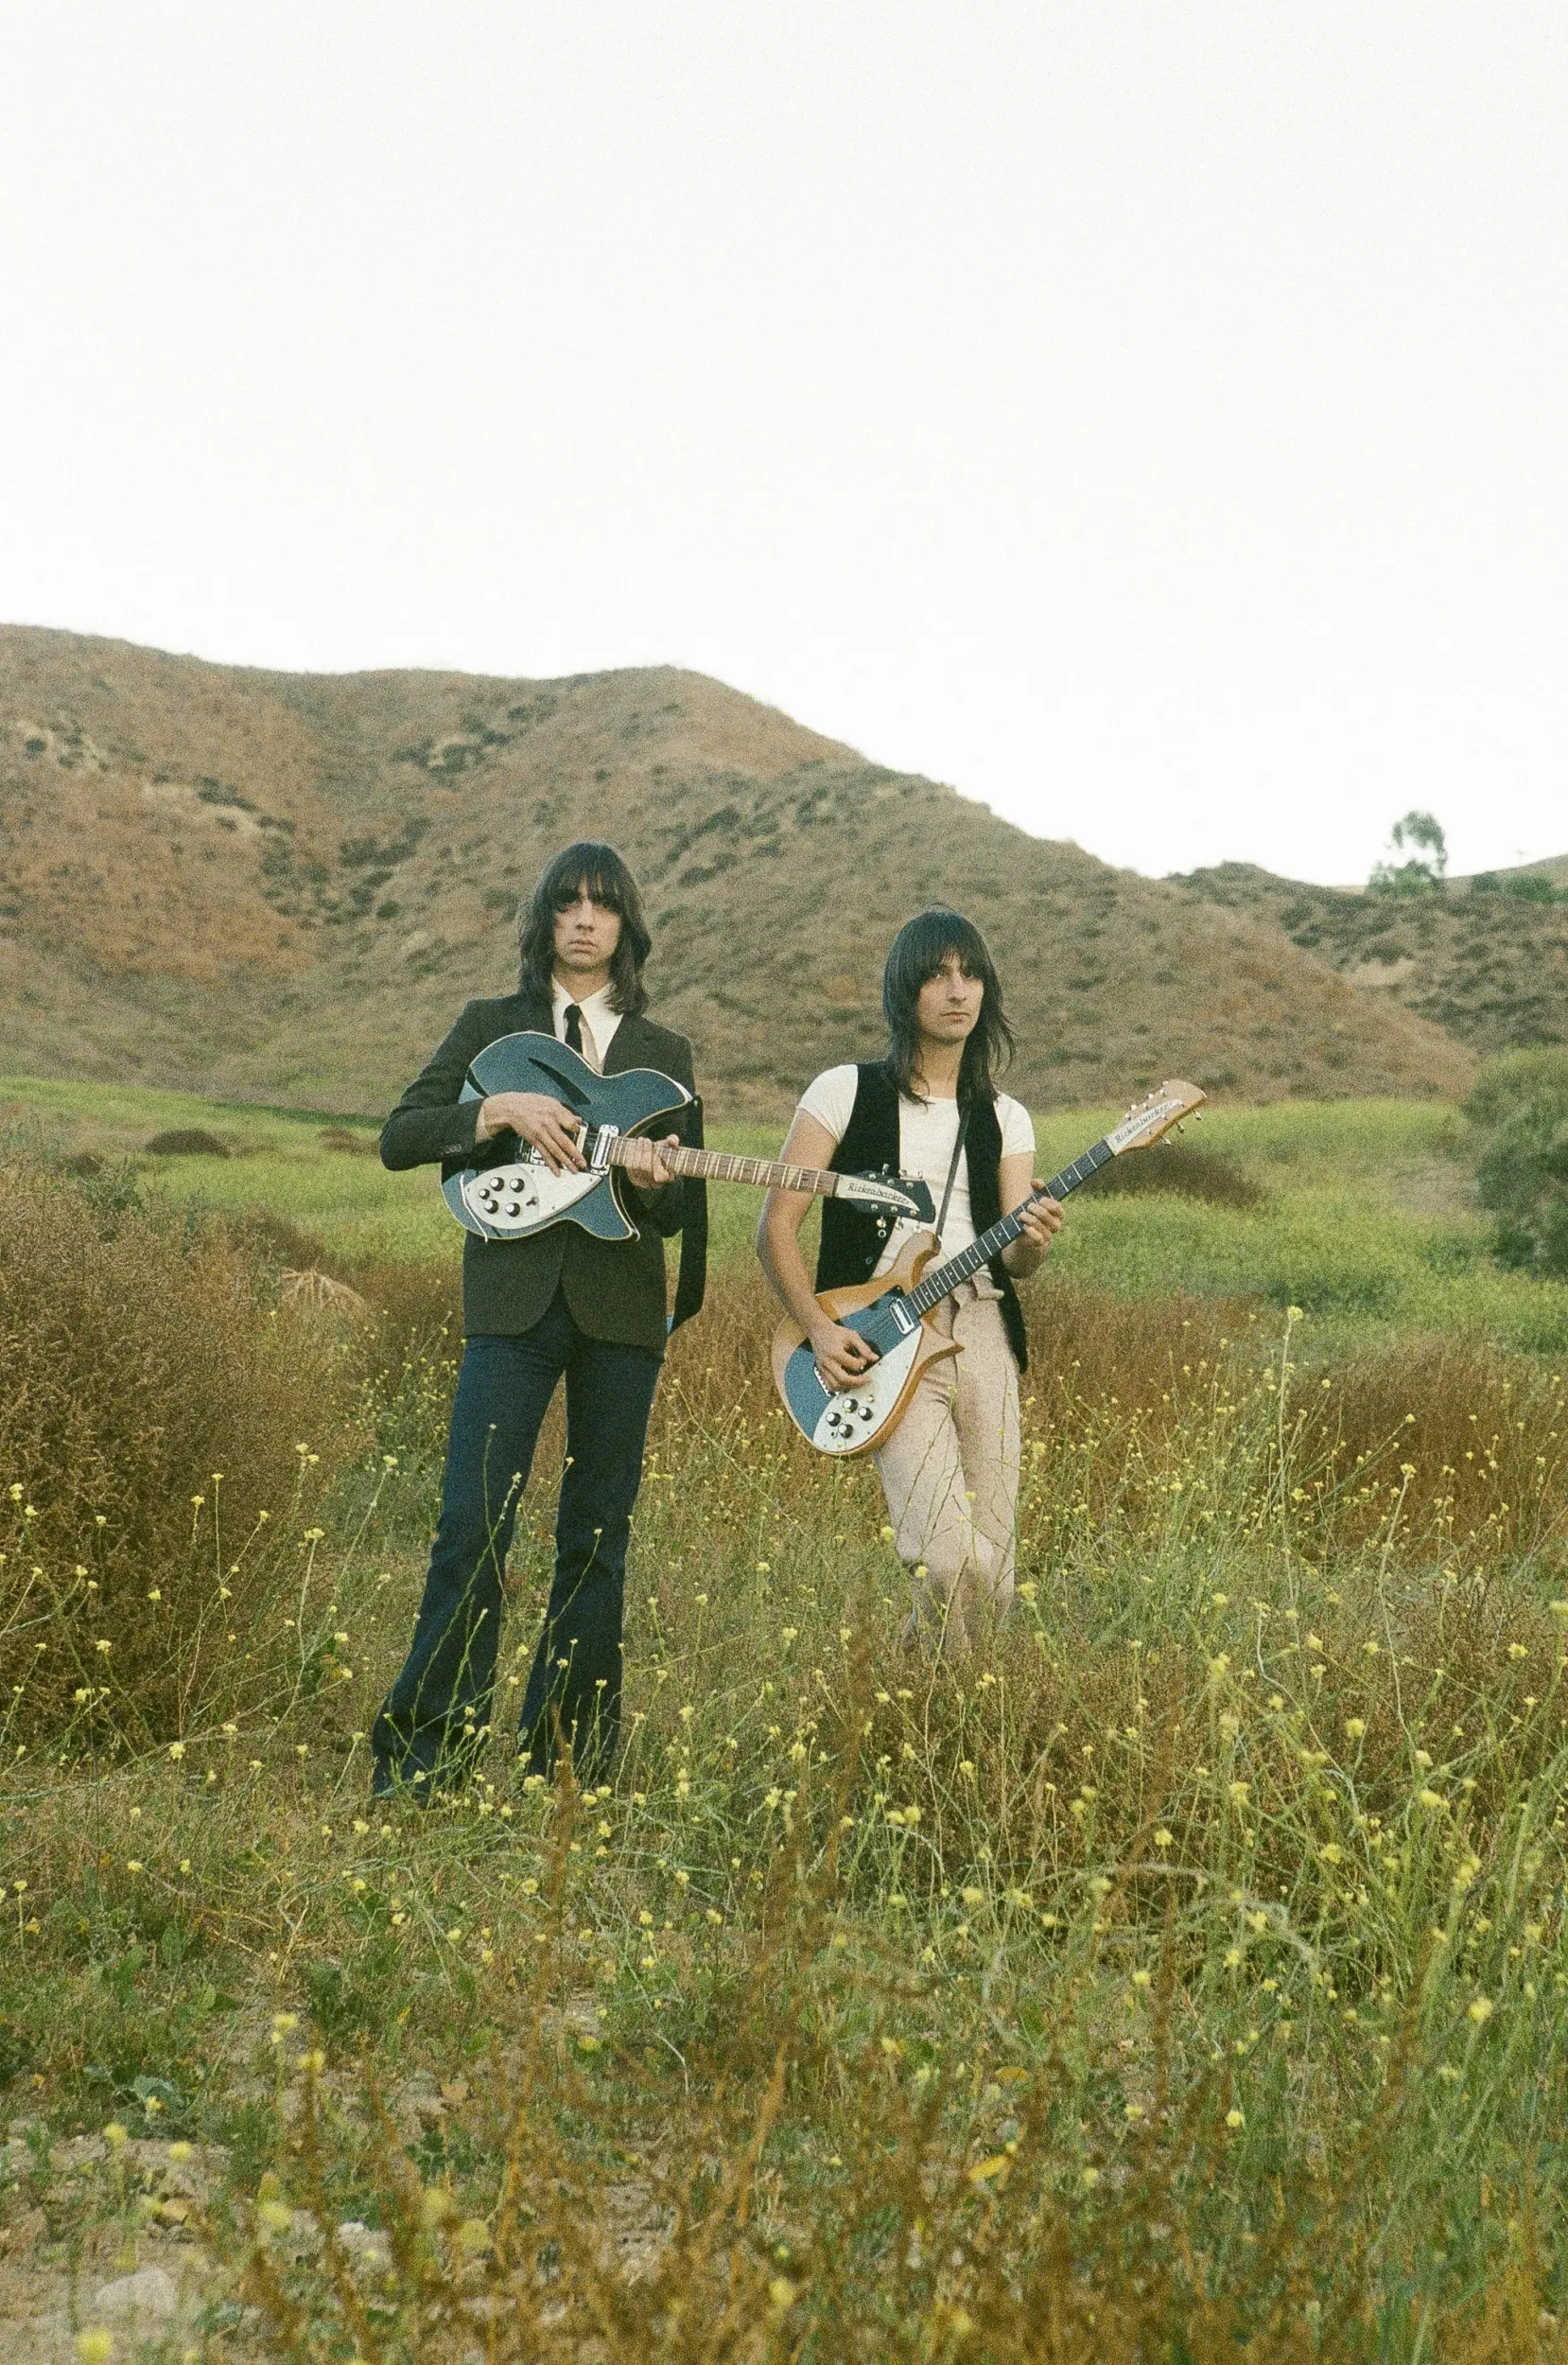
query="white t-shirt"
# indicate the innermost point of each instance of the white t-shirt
(927, 1132)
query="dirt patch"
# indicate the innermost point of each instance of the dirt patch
(98, 2235)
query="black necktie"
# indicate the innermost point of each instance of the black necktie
(574, 1028)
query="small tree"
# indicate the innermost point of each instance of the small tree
(1419, 837)
(1520, 1110)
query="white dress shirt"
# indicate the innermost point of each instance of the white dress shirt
(599, 1017)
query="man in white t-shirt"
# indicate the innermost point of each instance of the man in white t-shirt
(931, 1107)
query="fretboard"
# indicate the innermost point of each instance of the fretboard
(720, 1166)
(944, 1279)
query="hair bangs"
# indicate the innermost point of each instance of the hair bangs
(926, 941)
(590, 869)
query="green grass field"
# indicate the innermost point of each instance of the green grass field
(1183, 1975)
(1367, 1222)
(1369, 1225)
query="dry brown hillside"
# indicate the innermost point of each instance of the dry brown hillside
(1483, 960)
(282, 886)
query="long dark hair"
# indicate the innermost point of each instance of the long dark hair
(915, 957)
(601, 869)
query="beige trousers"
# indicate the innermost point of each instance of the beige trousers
(950, 1473)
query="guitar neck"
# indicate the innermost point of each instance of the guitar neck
(946, 1279)
(720, 1166)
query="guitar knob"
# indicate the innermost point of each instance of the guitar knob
(865, 1412)
(513, 1208)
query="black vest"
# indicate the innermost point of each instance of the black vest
(852, 1243)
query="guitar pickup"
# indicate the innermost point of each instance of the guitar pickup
(605, 1138)
(903, 1318)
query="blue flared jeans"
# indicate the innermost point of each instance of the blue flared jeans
(434, 1718)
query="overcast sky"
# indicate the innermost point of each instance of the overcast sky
(1150, 418)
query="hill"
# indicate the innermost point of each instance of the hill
(282, 886)
(1485, 959)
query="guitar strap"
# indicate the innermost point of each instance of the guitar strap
(952, 1171)
(691, 1281)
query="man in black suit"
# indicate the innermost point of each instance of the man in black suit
(560, 1303)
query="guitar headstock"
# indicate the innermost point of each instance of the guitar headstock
(902, 1198)
(1149, 1121)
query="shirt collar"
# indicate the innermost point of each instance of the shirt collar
(595, 1005)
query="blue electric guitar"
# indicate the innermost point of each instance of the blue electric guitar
(509, 1192)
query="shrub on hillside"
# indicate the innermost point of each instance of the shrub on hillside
(189, 1141)
(139, 1359)
(1178, 1166)
(1525, 886)
(1520, 1108)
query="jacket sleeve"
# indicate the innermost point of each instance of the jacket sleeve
(667, 1210)
(430, 1124)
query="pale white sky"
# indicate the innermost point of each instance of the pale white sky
(1148, 418)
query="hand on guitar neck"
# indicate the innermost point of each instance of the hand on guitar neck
(1039, 1220)
(554, 1133)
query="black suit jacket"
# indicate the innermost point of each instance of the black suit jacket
(614, 1289)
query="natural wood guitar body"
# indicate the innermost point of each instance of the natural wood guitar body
(881, 1398)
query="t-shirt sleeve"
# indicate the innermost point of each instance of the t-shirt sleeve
(1018, 1128)
(831, 1098)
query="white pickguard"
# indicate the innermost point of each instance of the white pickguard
(849, 1422)
(523, 1197)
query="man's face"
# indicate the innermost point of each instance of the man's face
(950, 1002)
(586, 935)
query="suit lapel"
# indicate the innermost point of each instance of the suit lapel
(530, 1017)
(627, 1048)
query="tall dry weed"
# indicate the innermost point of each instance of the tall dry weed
(1405, 1451)
(162, 1423)
(1475, 1441)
